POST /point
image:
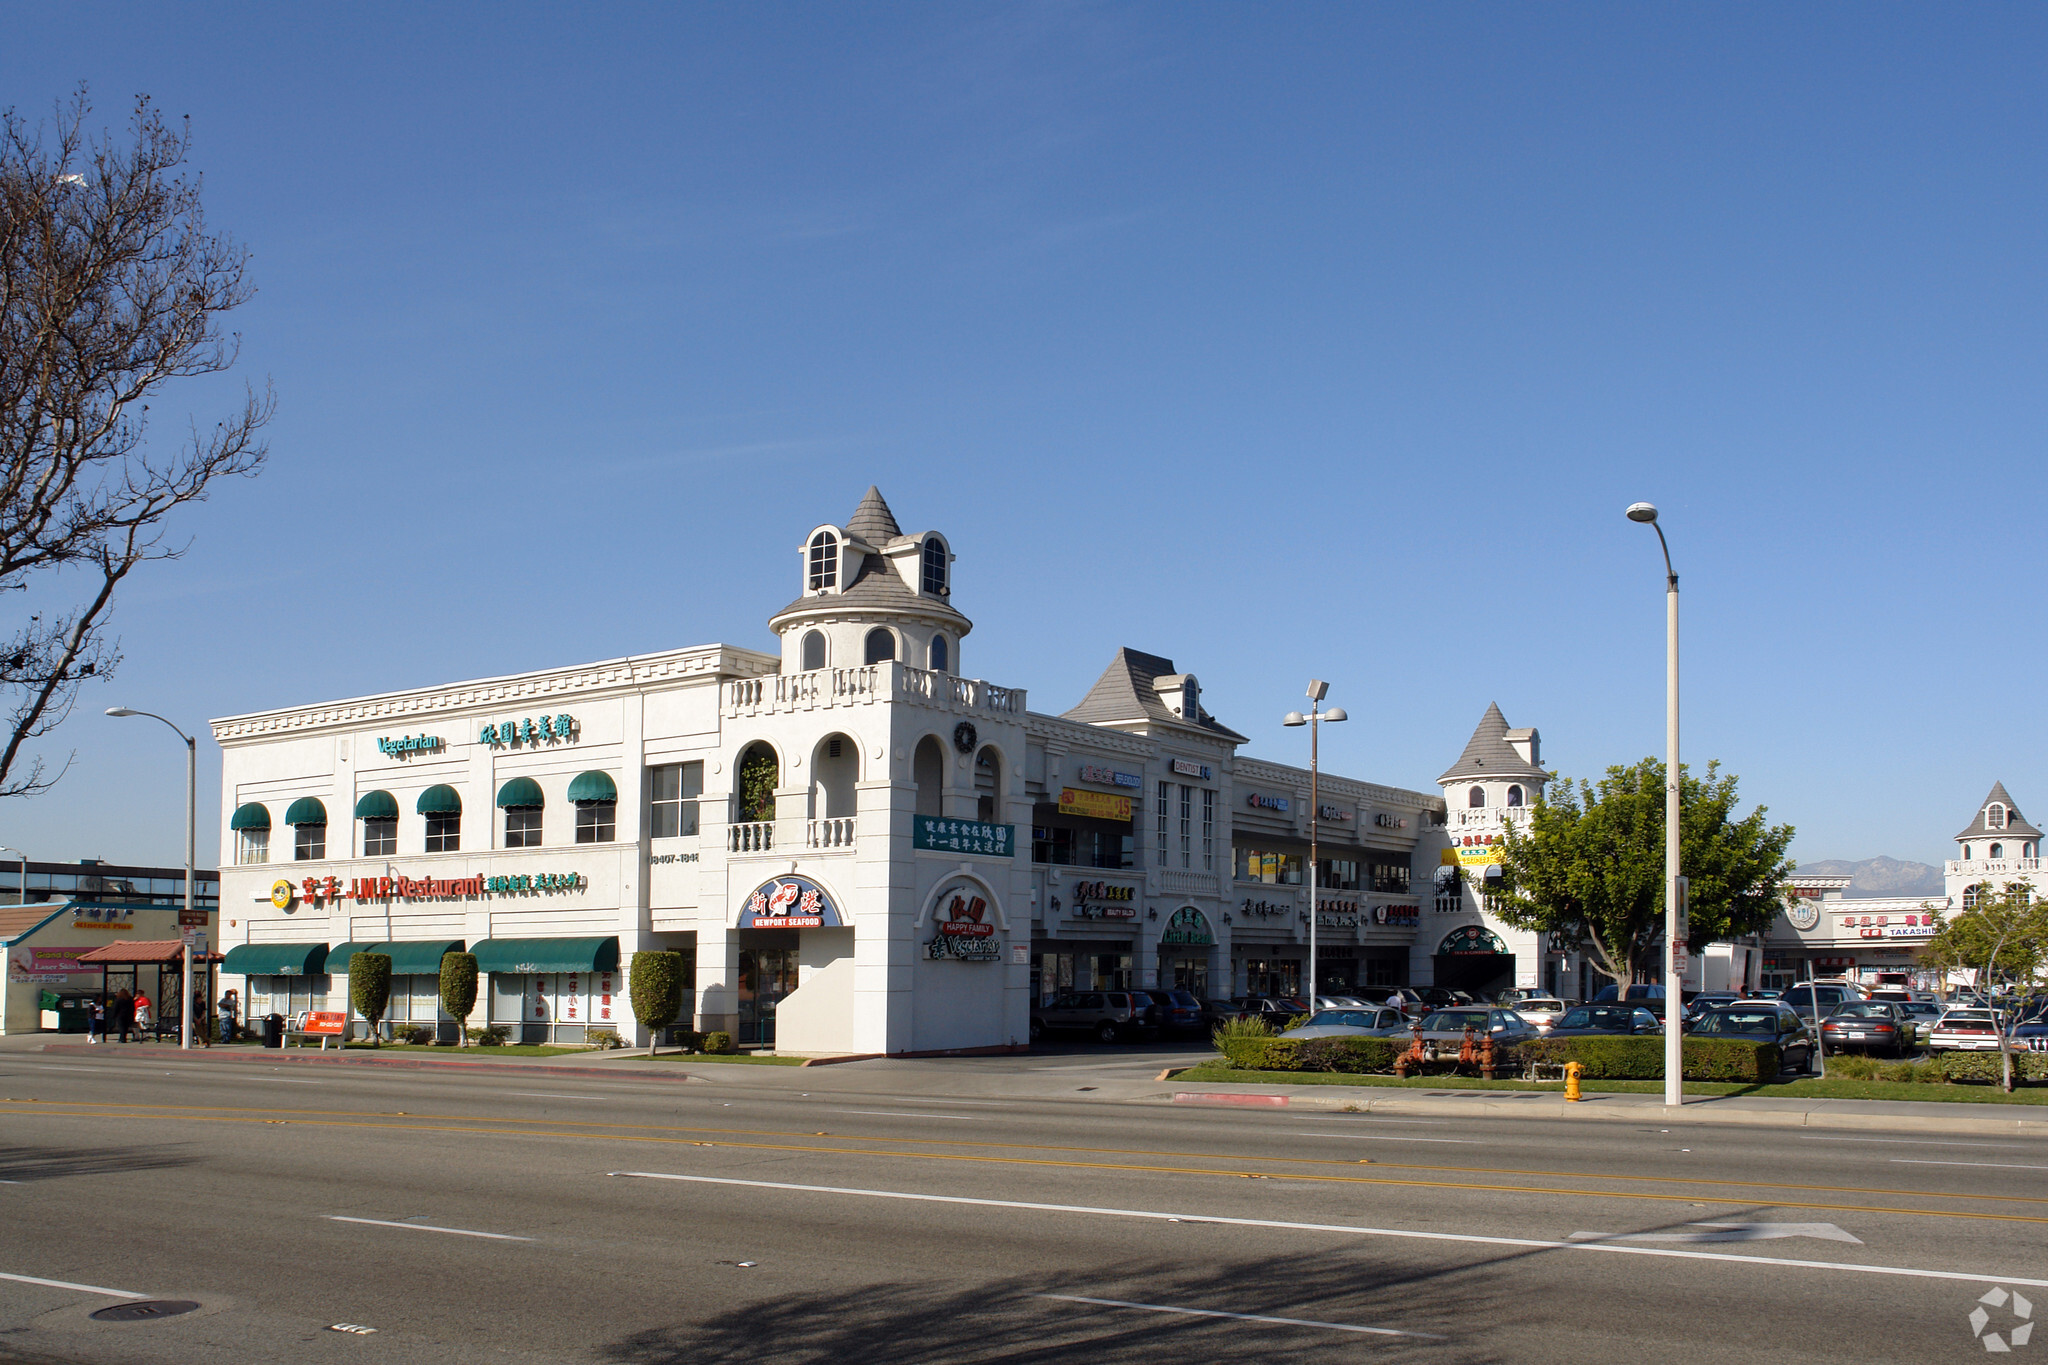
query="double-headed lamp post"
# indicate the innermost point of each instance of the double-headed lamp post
(1674, 885)
(1317, 690)
(191, 846)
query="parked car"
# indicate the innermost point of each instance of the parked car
(1870, 1025)
(1275, 1010)
(1640, 991)
(1109, 1015)
(1708, 1000)
(1819, 997)
(1541, 1010)
(2032, 1036)
(1409, 1001)
(1374, 1021)
(1179, 1012)
(1609, 1020)
(1765, 1021)
(1762, 995)
(1964, 1030)
(1448, 1026)
(1342, 1002)
(1923, 1013)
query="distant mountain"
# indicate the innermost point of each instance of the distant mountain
(1882, 876)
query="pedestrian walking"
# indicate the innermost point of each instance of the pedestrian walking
(230, 1008)
(95, 1021)
(143, 1020)
(199, 1020)
(123, 1021)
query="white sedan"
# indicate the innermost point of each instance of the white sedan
(1541, 1010)
(1964, 1030)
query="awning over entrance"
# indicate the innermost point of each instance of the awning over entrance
(159, 950)
(547, 955)
(407, 959)
(276, 959)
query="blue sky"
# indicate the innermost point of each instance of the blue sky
(1321, 339)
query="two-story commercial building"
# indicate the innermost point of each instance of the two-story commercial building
(858, 846)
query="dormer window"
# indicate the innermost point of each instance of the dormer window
(935, 566)
(824, 562)
(1994, 816)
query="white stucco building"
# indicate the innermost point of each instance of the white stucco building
(858, 846)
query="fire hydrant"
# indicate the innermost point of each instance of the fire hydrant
(1571, 1080)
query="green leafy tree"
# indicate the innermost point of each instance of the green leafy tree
(656, 990)
(2001, 937)
(369, 989)
(1589, 865)
(458, 991)
(758, 776)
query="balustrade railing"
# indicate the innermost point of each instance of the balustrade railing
(837, 833)
(756, 836)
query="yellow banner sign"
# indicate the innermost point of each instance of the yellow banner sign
(1100, 805)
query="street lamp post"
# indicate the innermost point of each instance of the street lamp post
(191, 847)
(1674, 886)
(1317, 690)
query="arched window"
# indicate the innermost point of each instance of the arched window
(881, 645)
(835, 769)
(935, 566)
(988, 784)
(1476, 797)
(760, 773)
(2027, 850)
(941, 656)
(1994, 816)
(1514, 796)
(442, 805)
(928, 770)
(824, 561)
(523, 804)
(378, 811)
(814, 650)
(1998, 850)
(1966, 853)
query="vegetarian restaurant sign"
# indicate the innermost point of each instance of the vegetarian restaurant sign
(964, 933)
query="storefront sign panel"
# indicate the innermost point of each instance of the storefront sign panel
(1254, 799)
(408, 744)
(1098, 805)
(790, 903)
(529, 732)
(28, 966)
(1478, 850)
(1108, 777)
(1397, 916)
(1471, 939)
(963, 836)
(1188, 927)
(1187, 767)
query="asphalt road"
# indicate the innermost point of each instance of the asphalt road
(913, 1212)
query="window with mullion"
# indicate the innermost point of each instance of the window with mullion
(309, 843)
(380, 837)
(444, 832)
(596, 822)
(522, 826)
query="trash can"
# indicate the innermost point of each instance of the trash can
(273, 1030)
(74, 1013)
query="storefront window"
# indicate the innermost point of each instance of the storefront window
(1076, 841)
(1159, 843)
(1390, 877)
(674, 788)
(1052, 974)
(1337, 874)
(1187, 821)
(1208, 829)
(1113, 972)
(1274, 869)
(1272, 977)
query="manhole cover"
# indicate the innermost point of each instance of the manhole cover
(144, 1311)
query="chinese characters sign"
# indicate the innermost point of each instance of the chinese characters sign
(1189, 927)
(529, 731)
(790, 903)
(963, 836)
(1100, 805)
(964, 933)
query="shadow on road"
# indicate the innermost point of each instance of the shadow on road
(26, 1164)
(1011, 1320)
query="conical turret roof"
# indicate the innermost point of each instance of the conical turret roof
(1488, 753)
(2014, 826)
(872, 522)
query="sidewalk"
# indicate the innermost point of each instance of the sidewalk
(583, 1064)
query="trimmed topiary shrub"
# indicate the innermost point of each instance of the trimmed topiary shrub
(419, 1035)
(369, 989)
(1982, 1068)
(1357, 1056)
(656, 990)
(1642, 1058)
(458, 989)
(719, 1042)
(688, 1039)
(492, 1036)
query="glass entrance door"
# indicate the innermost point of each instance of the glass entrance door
(766, 975)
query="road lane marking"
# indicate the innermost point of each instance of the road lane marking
(427, 1227)
(81, 1288)
(569, 1128)
(1981, 1165)
(901, 1114)
(551, 1095)
(1728, 1232)
(1241, 1317)
(1910, 1142)
(1405, 1234)
(1389, 1137)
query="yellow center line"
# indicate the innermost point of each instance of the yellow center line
(815, 1149)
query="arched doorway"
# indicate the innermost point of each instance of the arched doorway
(1474, 960)
(835, 768)
(928, 770)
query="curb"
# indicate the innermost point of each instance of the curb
(275, 1056)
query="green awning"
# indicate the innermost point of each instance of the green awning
(593, 786)
(276, 959)
(547, 954)
(440, 800)
(377, 806)
(521, 793)
(252, 815)
(407, 959)
(307, 810)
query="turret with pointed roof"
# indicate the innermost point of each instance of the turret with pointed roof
(1140, 689)
(1495, 751)
(872, 593)
(1998, 807)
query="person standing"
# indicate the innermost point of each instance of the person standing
(143, 1021)
(230, 1007)
(123, 1021)
(95, 1021)
(199, 1020)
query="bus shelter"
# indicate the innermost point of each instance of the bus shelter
(156, 968)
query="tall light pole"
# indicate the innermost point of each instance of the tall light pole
(191, 846)
(1674, 884)
(1317, 690)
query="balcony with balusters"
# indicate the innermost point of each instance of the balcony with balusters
(826, 688)
(793, 836)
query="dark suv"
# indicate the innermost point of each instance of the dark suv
(1109, 1015)
(1179, 1012)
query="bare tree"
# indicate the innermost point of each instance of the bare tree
(110, 287)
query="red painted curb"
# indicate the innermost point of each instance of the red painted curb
(1204, 1097)
(277, 1055)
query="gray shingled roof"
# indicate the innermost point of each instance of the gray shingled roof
(872, 523)
(1488, 753)
(1125, 693)
(2015, 827)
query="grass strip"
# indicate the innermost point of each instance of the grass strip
(739, 1058)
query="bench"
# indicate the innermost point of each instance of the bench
(322, 1024)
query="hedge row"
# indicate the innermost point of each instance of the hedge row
(1604, 1059)
(1983, 1067)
